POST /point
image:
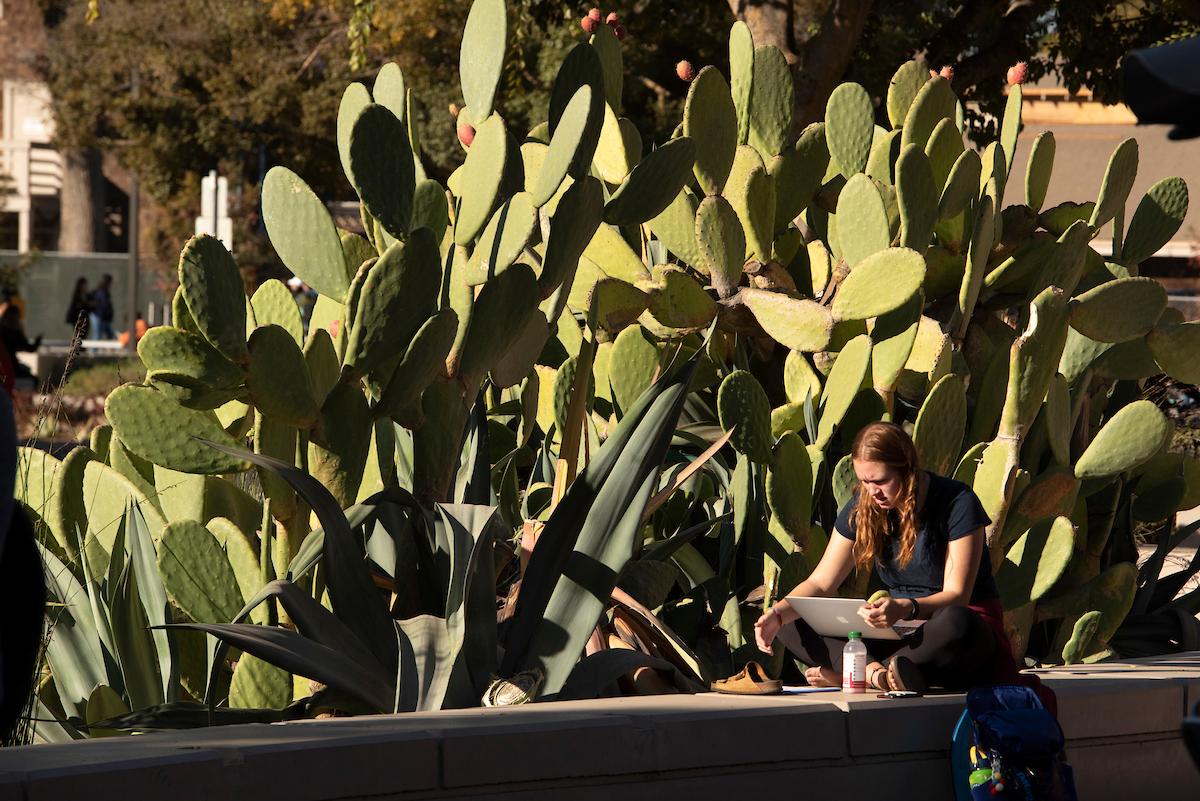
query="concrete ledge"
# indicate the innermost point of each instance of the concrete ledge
(1121, 719)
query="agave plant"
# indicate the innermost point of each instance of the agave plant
(513, 357)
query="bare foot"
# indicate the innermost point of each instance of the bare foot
(822, 677)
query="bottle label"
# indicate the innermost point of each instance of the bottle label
(854, 674)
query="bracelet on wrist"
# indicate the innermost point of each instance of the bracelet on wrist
(778, 614)
(916, 610)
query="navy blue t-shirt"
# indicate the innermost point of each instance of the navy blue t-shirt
(951, 511)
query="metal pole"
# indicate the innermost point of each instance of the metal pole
(132, 229)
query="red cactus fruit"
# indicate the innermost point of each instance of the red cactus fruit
(594, 14)
(590, 25)
(612, 19)
(620, 32)
(1018, 73)
(948, 73)
(466, 134)
(685, 71)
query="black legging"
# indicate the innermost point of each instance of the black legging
(955, 648)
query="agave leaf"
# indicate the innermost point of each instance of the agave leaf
(153, 595)
(298, 654)
(352, 591)
(589, 537)
(425, 663)
(135, 645)
(74, 652)
(187, 715)
(465, 533)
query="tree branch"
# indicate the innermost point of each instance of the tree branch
(1009, 47)
(822, 58)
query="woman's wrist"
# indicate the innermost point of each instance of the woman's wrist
(916, 609)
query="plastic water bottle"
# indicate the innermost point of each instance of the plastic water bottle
(854, 665)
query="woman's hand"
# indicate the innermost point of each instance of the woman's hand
(884, 613)
(765, 629)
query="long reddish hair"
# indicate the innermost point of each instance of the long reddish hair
(887, 444)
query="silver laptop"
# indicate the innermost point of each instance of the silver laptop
(837, 617)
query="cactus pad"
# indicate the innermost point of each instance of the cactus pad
(903, 89)
(677, 300)
(429, 211)
(423, 360)
(675, 227)
(861, 202)
(581, 67)
(797, 324)
(302, 232)
(722, 243)
(274, 305)
(197, 575)
(501, 314)
(962, 186)
(943, 149)
(1082, 635)
(612, 254)
(619, 148)
(1118, 180)
(751, 192)
(653, 184)
(941, 425)
(481, 57)
(1127, 439)
(798, 173)
(159, 430)
(339, 457)
(483, 172)
(893, 334)
(164, 348)
(606, 45)
(845, 379)
(216, 297)
(849, 128)
(564, 144)
(278, 382)
(773, 99)
(881, 164)
(709, 117)
(515, 365)
(743, 408)
(1120, 310)
(934, 101)
(614, 304)
(741, 76)
(789, 490)
(580, 208)
(1037, 171)
(917, 193)
(1176, 348)
(881, 283)
(632, 365)
(1035, 562)
(399, 293)
(381, 166)
(1159, 215)
(800, 380)
(503, 240)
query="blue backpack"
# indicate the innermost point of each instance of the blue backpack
(1007, 746)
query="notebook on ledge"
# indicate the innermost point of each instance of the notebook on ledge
(837, 617)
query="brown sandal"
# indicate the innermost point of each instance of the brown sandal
(751, 681)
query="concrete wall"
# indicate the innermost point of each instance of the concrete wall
(47, 286)
(1122, 721)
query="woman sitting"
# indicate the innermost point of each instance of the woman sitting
(925, 535)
